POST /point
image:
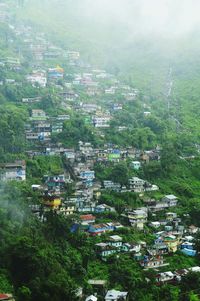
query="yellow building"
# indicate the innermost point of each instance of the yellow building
(67, 209)
(52, 201)
(172, 242)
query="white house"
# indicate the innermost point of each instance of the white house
(91, 298)
(114, 295)
(136, 165)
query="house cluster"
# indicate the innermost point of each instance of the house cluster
(173, 237)
(37, 78)
(139, 185)
(41, 127)
(174, 277)
(115, 244)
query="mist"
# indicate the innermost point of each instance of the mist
(138, 16)
(167, 16)
(132, 36)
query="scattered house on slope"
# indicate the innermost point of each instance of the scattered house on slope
(109, 185)
(104, 208)
(101, 121)
(152, 262)
(171, 200)
(87, 219)
(37, 77)
(98, 229)
(104, 250)
(136, 165)
(13, 171)
(115, 240)
(51, 200)
(165, 277)
(172, 242)
(114, 295)
(54, 182)
(130, 247)
(138, 218)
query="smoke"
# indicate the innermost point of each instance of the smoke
(12, 203)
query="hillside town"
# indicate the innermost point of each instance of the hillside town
(98, 185)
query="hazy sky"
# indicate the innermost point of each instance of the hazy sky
(171, 16)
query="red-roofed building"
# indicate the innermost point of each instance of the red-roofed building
(6, 297)
(87, 219)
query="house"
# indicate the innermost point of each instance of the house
(87, 219)
(85, 147)
(136, 165)
(98, 229)
(136, 184)
(172, 242)
(160, 246)
(117, 107)
(110, 91)
(114, 295)
(114, 155)
(188, 248)
(170, 216)
(37, 77)
(87, 175)
(153, 262)
(73, 55)
(12, 62)
(193, 229)
(164, 204)
(154, 155)
(132, 248)
(38, 115)
(51, 200)
(101, 121)
(90, 107)
(138, 218)
(31, 136)
(115, 240)
(53, 182)
(155, 224)
(67, 209)
(56, 73)
(69, 154)
(102, 155)
(104, 208)
(91, 298)
(189, 252)
(147, 113)
(13, 171)
(31, 100)
(109, 185)
(5, 297)
(170, 199)
(145, 158)
(104, 250)
(168, 228)
(165, 277)
(188, 238)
